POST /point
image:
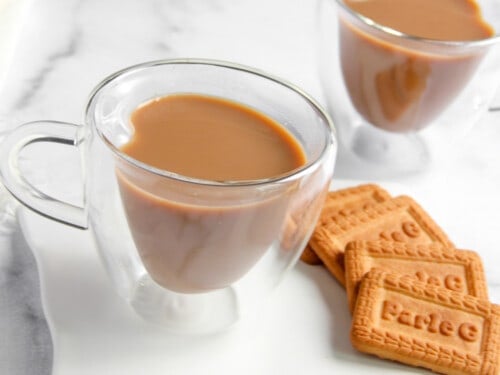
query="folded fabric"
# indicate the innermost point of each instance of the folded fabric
(26, 347)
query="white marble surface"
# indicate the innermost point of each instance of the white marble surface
(67, 46)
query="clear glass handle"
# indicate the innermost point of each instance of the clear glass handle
(21, 188)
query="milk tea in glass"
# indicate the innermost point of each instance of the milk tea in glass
(188, 248)
(393, 68)
(203, 181)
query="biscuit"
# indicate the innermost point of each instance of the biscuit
(309, 256)
(458, 270)
(346, 201)
(301, 219)
(399, 318)
(400, 219)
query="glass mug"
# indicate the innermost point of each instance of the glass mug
(190, 254)
(400, 101)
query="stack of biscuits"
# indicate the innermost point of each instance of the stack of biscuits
(414, 297)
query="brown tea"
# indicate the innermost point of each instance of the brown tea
(212, 139)
(189, 243)
(398, 88)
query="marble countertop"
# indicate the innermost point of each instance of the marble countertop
(64, 48)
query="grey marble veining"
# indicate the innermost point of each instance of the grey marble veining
(67, 47)
(37, 81)
(26, 345)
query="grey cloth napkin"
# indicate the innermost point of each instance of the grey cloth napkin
(25, 341)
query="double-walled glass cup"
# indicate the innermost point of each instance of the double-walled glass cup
(190, 254)
(400, 101)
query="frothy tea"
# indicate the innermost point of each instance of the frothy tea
(195, 246)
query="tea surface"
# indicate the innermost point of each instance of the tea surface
(431, 19)
(211, 138)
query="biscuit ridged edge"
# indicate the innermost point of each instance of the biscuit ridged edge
(324, 236)
(436, 251)
(321, 244)
(419, 352)
(346, 224)
(308, 255)
(346, 192)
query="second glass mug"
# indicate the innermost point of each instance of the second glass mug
(401, 101)
(190, 254)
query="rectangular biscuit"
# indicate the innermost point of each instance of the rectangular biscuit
(399, 318)
(434, 263)
(309, 256)
(400, 219)
(346, 200)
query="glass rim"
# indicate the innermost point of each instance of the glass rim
(284, 177)
(478, 43)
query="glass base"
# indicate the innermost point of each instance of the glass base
(202, 313)
(394, 153)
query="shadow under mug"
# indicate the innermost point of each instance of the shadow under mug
(190, 254)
